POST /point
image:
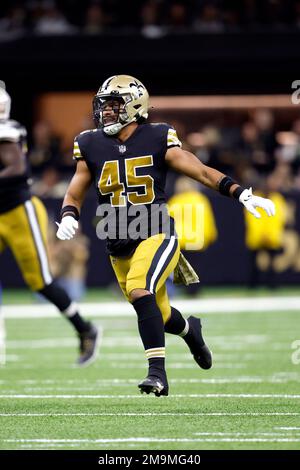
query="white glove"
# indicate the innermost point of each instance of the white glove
(250, 202)
(66, 228)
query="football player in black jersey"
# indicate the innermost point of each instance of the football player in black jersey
(127, 159)
(23, 228)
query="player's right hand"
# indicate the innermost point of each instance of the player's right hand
(67, 228)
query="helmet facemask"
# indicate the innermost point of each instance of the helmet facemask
(113, 121)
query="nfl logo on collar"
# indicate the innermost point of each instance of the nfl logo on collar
(122, 148)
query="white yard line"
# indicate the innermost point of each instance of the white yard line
(153, 439)
(288, 428)
(215, 414)
(254, 433)
(176, 365)
(96, 383)
(191, 395)
(96, 386)
(231, 343)
(123, 309)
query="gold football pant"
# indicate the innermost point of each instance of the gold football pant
(148, 268)
(24, 230)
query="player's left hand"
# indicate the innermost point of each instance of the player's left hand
(251, 202)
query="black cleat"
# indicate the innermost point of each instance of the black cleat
(88, 346)
(152, 384)
(195, 341)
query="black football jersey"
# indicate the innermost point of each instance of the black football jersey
(13, 190)
(129, 178)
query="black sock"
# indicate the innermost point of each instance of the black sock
(80, 325)
(157, 366)
(58, 296)
(176, 323)
(151, 329)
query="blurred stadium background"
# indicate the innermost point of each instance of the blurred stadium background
(223, 73)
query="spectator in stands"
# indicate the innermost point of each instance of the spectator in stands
(207, 144)
(44, 150)
(254, 147)
(263, 119)
(177, 17)
(289, 152)
(50, 184)
(214, 147)
(95, 19)
(52, 21)
(209, 20)
(14, 23)
(65, 17)
(151, 21)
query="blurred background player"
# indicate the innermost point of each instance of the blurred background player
(23, 227)
(268, 235)
(127, 159)
(68, 263)
(192, 241)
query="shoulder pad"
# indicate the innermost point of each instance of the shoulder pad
(10, 133)
(170, 133)
(18, 126)
(89, 131)
(163, 125)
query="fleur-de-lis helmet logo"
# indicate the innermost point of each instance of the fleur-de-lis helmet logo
(137, 89)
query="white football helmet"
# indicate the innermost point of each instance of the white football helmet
(134, 99)
(5, 102)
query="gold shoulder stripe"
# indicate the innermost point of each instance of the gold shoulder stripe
(172, 138)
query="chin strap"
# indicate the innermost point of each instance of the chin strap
(115, 128)
(112, 129)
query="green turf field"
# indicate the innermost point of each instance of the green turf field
(24, 296)
(249, 400)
